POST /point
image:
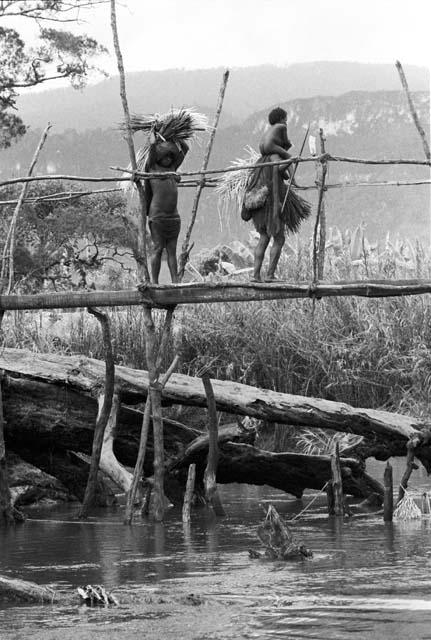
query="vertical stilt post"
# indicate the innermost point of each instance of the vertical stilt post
(105, 405)
(330, 498)
(388, 500)
(322, 223)
(319, 233)
(211, 493)
(188, 496)
(147, 499)
(186, 248)
(425, 504)
(337, 482)
(139, 465)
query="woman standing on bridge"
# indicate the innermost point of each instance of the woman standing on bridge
(265, 194)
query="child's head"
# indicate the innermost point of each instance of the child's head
(277, 115)
(166, 161)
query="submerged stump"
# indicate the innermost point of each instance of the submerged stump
(278, 540)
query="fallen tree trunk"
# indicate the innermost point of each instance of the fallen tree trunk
(13, 590)
(289, 472)
(30, 485)
(46, 425)
(387, 433)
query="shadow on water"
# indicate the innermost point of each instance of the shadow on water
(367, 579)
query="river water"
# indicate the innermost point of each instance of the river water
(367, 579)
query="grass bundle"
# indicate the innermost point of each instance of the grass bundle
(231, 188)
(296, 211)
(174, 126)
(407, 509)
(321, 442)
(231, 185)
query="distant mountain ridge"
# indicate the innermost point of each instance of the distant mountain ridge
(361, 124)
(249, 90)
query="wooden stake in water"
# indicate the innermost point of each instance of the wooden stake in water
(337, 482)
(330, 498)
(388, 500)
(210, 476)
(190, 487)
(426, 507)
(105, 405)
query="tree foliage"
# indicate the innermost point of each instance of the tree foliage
(56, 54)
(64, 244)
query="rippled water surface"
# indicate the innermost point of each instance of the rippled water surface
(367, 580)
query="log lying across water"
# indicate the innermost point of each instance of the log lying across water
(289, 472)
(386, 433)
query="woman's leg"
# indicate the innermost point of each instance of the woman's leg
(274, 255)
(158, 246)
(171, 250)
(259, 254)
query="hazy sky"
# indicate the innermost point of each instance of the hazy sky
(205, 33)
(161, 34)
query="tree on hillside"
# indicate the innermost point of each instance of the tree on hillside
(64, 244)
(55, 54)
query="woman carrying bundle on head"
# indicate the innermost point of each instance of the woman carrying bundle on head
(162, 198)
(265, 194)
(163, 152)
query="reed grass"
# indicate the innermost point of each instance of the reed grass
(407, 508)
(366, 352)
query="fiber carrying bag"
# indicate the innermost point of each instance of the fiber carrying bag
(256, 198)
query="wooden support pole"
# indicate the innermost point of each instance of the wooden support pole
(337, 482)
(388, 498)
(426, 507)
(413, 111)
(158, 442)
(210, 475)
(330, 498)
(414, 114)
(147, 499)
(319, 233)
(139, 465)
(105, 405)
(188, 496)
(322, 221)
(142, 226)
(159, 452)
(153, 353)
(186, 248)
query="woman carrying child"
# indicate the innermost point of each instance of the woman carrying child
(269, 217)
